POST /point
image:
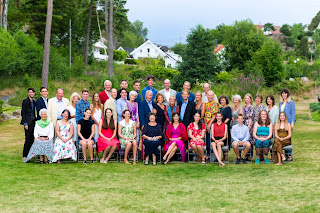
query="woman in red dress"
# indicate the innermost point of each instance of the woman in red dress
(107, 141)
(197, 131)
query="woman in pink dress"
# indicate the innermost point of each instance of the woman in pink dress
(197, 131)
(176, 136)
(107, 141)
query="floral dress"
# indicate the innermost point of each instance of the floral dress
(126, 131)
(63, 150)
(211, 108)
(248, 115)
(197, 134)
(135, 117)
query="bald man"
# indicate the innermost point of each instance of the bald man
(167, 92)
(206, 88)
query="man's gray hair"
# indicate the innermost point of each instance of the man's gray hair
(107, 81)
(149, 91)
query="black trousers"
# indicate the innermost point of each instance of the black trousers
(29, 138)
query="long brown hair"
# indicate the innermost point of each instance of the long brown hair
(199, 122)
(260, 122)
(215, 118)
(286, 124)
(94, 102)
(107, 125)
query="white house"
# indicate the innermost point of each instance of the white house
(100, 51)
(150, 50)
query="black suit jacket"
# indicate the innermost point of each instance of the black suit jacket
(189, 113)
(40, 105)
(28, 114)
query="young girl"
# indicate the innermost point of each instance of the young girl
(219, 131)
(86, 129)
(127, 134)
(283, 137)
(262, 132)
(197, 131)
(107, 141)
(97, 113)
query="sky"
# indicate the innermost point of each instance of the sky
(170, 21)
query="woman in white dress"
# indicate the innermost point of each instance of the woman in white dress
(75, 97)
(96, 109)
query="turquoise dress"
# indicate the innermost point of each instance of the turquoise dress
(262, 131)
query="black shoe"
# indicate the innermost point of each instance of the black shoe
(84, 162)
(92, 161)
(238, 161)
(41, 162)
(243, 161)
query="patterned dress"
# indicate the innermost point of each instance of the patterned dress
(278, 145)
(63, 150)
(134, 116)
(197, 134)
(211, 108)
(126, 131)
(248, 115)
(257, 110)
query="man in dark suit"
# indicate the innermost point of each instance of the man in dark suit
(42, 102)
(145, 107)
(28, 118)
(187, 109)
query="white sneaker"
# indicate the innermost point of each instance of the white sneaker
(24, 159)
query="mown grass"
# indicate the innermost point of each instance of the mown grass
(115, 187)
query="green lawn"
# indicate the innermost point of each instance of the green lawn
(70, 187)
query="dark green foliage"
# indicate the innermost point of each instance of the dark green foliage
(303, 48)
(289, 41)
(285, 30)
(130, 61)
(179, 48)
(200, 62)
(134, 35)
(268, 27)
(315, 22)
(242, 41)
(315, 107)
(119, 55)
(219, 33)
(269, 60)
(1, 106)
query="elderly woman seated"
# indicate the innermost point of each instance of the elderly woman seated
(43, 134)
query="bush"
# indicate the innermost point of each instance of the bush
(77, 67)
(58, 66)
(1, 106)
(130, 61)
(315, 107)
(119, 55)
(224, 76)
(293, 86)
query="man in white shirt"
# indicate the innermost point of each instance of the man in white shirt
(206, 88)
(56, 105)
(167, 92)
(111, 103)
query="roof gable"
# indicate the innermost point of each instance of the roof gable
(146, 43)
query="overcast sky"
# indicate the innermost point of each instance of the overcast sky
(169, 21)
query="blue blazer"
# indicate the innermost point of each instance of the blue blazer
(144, 111)
(191, 98)
(290, 110)
(40, 105)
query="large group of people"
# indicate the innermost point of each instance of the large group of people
(167, 121)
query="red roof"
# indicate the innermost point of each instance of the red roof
(218, 48)
(277, 31)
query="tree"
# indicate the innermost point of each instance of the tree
(88, 35)
(242, 40)
(315, 22)
(46, 51)
(179, 48)
(269, 60)
(289, 41)
(220, 33)
(5, 14)
(303, 48)
(110, 41)
(285, 30)
(139, 30)
(106, 17)
(269, 27)
(200, 62)
(297, 31)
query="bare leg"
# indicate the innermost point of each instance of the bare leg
(84, 149)
(105, 154)
(126, 152)
(113, 148)
(90, 148)
(279, 159)
(235, 148)
(219, 147)
(41, 157)
(147, 160)
(134, 143)
(214, 147)
(169, 150)
(173, 151)
(195, 149)
(247, 149)
(154, 158)
(201, 152)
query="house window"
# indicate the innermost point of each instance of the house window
(140, 50)
(148, 50)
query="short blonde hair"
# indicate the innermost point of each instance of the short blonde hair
(75, 94)
(250, 96)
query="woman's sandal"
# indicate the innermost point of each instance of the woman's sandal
(134, 163)
(154, 163)
(127, 162)
(85, 162)
(222, 164)
(203, 162)
(92, 161)
(164, 159)
(146, 163)
(284, 158)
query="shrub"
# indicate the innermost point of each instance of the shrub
(77, 67)
(119, 55)
(1, 106)
(58, 66)
(130, 61)
(224, 76)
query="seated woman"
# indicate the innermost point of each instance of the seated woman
(43, 134)
(219, 131)
(197, 130)
(152, 133)
(176, 135)
(262, 133)
(86, 130)
(127, 133)
(107, 141)
(64, 146)
(283, 138)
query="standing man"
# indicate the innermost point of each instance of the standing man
(82, 105)
(167, 92)
(145, 107)
(123, 85)
(111, 103)
(206, 87)
(150, 80)
(42, 102)
(136, 87)
(209, 114)
(105, 94)
(28, 118)
(186, 87)
(56, 105)
(187, 109)
(121, 104)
